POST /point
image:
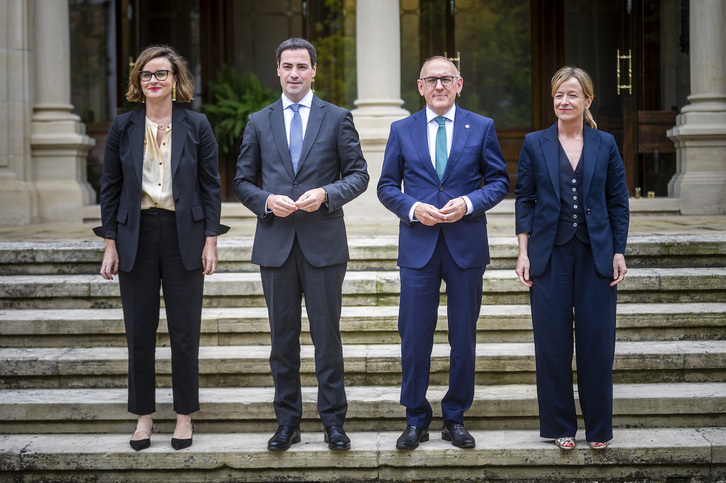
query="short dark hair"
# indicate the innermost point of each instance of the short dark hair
(179, 66)
(295, 43)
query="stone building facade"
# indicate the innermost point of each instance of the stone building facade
(44, 146)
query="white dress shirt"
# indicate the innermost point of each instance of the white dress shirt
(305, 104)
(432, 127)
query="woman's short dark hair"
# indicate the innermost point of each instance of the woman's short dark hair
(295, 43)
(179, 66)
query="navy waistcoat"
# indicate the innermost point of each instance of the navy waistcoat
(572, 212)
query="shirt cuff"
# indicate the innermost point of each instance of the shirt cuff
(469, 206)
(412, 211)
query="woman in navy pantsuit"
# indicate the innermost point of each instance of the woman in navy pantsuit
(160, 209)
(572, 226)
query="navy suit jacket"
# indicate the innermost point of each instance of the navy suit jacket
(331, 158)
(475, 168)
(605, 197)
(196, 185)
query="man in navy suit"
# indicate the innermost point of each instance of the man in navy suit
(452, 170)
(300, 162)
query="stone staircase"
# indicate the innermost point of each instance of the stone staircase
(63, 376)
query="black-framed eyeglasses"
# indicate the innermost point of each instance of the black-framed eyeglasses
(446, 80)
(160, 75)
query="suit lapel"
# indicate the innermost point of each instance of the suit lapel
(136, 133)
(178, 135)
(550, 149)
(277, 127)
(419, 135)
(315, 120)
(590, 149)
(461, 135)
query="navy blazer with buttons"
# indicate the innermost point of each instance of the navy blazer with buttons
(196, 185)
(475, 168)
(605, 197)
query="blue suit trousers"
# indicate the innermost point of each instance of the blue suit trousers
(571, 290)
(418, 314)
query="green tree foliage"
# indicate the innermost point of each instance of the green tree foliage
(235, 98)
(332, 25)
(496, 59)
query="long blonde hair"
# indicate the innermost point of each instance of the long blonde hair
(585, 81)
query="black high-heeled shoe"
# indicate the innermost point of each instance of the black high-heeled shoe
(139, 444)
(178, 444)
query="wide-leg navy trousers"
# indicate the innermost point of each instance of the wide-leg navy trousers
(570, 290)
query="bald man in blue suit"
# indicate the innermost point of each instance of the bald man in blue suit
(442, 170)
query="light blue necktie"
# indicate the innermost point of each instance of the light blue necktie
(441, 147)
(296, 136)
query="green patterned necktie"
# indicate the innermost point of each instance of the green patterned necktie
(441, 147)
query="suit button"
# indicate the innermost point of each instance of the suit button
(176, 200)
(441, 188)
(588, 211)
(295, 185)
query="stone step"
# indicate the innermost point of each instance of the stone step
(243, 289)
(358, 325)
(635, 455)
(370, 408)
(365, 365)
(366, 253)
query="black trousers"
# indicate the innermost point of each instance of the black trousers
(159, 264)
(284, 288)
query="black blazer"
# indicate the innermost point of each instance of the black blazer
(331, 158)
(196, 185)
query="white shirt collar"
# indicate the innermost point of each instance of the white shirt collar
(448, 115)
(306, 101)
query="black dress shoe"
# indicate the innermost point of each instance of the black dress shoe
(336, 438)
(411, 437)
(139, 444)
(178, 444)
(284, 437)
(458, 435)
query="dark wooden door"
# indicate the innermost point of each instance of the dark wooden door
(623, 45)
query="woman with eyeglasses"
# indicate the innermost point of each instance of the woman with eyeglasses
(160, 208)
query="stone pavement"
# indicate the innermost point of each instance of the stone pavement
(500, 224)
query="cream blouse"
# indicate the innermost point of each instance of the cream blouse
(156, 185)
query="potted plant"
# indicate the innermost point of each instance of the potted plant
(235, 97)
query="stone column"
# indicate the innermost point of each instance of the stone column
(700, 131)
(378, 62)
(59, 142)
(17, 196)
